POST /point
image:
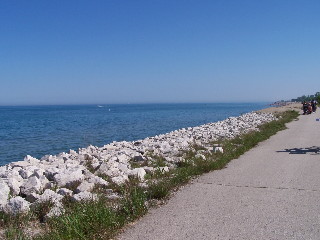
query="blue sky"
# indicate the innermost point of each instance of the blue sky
(147, 51)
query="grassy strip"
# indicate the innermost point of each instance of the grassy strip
(102, 219)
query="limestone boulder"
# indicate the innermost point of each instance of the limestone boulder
(33, 185)
(17, 205)
(28, 171)
(138, 172)
(68, 176)
(98, 180)
(109, 169)
(50, 172)
(21, 164)
(4, 193)
(218, 149)
(84, 196)
(85, 187)
(49, 195)
(119, 180)
(45, 183)
(14, 185)
(3, 171)
(123, 158)
(39, 172)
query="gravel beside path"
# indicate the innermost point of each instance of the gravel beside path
(271, 192)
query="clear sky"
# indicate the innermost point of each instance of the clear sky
(154, 51)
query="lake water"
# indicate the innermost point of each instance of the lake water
(42, 130)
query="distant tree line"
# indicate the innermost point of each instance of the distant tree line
(308, 98)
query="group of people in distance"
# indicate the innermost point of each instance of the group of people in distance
(309, 107)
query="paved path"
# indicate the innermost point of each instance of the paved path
(271, 192)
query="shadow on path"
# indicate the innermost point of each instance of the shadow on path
(312, 150)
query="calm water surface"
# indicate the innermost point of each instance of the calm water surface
(41, 130)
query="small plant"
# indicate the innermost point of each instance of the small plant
(14, 225)
(197, 147)
(158, 161)
(101, 189)
(133, 203)
(185, 163)
(42, 209)
(15, 233)
(159, 190)
(88, 165)
(138, 164)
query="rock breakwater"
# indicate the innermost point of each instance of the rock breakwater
(76, 174)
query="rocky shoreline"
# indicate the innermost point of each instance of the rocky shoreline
(28, 183)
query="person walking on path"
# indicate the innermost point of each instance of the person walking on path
(314, 105)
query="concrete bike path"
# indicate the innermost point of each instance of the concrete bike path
(270, 192)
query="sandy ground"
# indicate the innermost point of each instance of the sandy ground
(291, 106)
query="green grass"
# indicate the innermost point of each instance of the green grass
(102, 220)
(97, 220)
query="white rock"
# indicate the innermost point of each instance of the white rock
(218, 149)
(123, 167)
(84, 196)
(199, 155)
(98, 180)
(3, 171)
(51, 171)
(44, 182)
(68, 176)
(4, 192)
(110, 169)
(33, 185)
(55, 211)
(39, 173)
(17, 205)
(49, 195)
(123, 158)
(14, 185)
(20, 164)
(85, 187)
(27, 171)
(138, 172)
(72, 152)
(120, 179)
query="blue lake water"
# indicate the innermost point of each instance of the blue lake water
(41, 130)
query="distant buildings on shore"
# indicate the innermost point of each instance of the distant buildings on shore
(307, 98)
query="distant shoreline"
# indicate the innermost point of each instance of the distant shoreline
(279, 109)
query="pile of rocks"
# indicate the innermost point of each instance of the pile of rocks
(30, 182)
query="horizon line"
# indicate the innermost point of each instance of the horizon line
(133, 103)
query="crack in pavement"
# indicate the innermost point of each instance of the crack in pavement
(262, 187)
